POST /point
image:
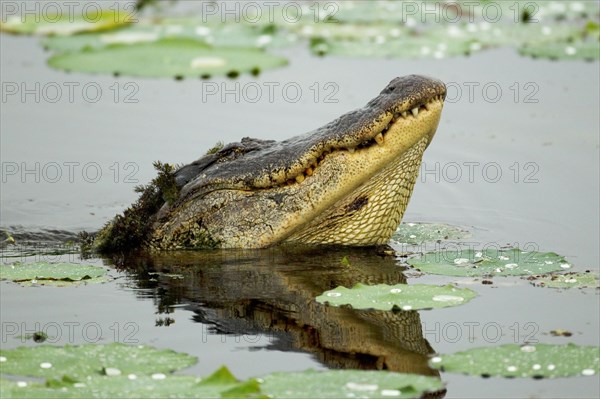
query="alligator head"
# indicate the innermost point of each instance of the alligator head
(346, 183)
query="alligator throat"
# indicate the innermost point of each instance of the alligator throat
(346, 183)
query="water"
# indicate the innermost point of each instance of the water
(253, 310)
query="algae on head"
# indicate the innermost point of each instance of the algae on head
(216, 148)
(130, 230)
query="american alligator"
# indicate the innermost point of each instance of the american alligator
(346, 183)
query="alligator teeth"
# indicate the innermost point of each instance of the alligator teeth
(415, 111)
(379, 139)
(309, 171)
(300, 178)
(351, 150)
(404, 114)
(427, 106)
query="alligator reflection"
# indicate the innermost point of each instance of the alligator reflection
(272, 292)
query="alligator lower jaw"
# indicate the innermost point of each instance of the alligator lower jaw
(369, 214)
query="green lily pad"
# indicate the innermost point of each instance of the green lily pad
(167, 58)
(567, 280)
(494, 262)
(348, 383)
(308, 384)
(351, 28)
(384, 29)
(419, 233)
(537, 361)
(221, 35)
(63, 283)
(563, 50)
(399, 296)
(158, 385)
(380, 46)
(79, 362)
(65, 23)
(115, 370)
(51, 273)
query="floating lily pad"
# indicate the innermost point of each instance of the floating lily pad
(576, 50)
(568, 280)
(167, 58)
(443, 41)
(221, 35)
(399, 296)
(51, 273)
(308, 384)
(384, 29)
(414, 47)
(501, 262)
(418, 233)
(353, 29)
(65, 23)
(102, 371)
(537, 361)
(167, 386)
(78, 362)
(159, 385)
(348, 384)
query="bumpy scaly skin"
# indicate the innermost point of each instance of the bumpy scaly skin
(346, 183)
(373, 212)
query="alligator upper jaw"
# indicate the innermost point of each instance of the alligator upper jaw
(401, 102)
(254, 164)
(399, 119)
(405, 115)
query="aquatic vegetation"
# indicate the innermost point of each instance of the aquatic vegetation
(178, 58)
(48, 273)
(489, 262)
(579, 49)
(131, 229)
(79, 362)
(116, 370)
(63, 24)
(216, 148)
(202, 47)
(397, 297)
(211, 34)
(419, 233)
(348, 383)
(536, 361)
(567, 280)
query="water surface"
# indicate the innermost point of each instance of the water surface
(253, 310)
